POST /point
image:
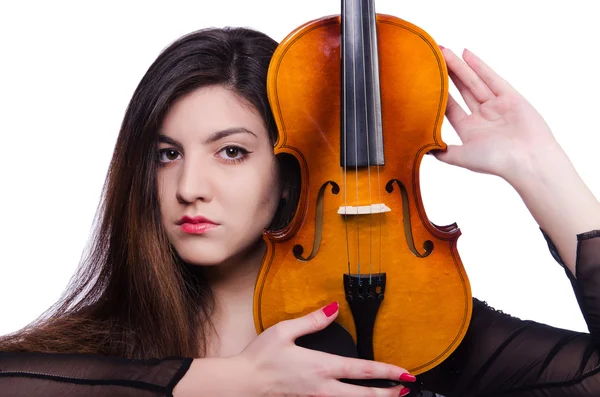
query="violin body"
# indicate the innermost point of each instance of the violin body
(359, 223)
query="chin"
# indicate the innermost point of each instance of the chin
(202, 258)
(214, 254)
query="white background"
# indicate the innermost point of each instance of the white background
(68, 70)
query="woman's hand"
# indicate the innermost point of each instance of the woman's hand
(273, 365)
(503, 133)
(278, 367)
(505, 136)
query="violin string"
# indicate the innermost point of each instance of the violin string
(376, 93)
(367, 127)
(345, 141)
(355, 142)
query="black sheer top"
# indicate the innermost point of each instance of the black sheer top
(499, 356)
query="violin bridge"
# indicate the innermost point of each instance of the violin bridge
(363, 209)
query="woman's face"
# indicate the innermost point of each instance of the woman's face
(218, 170)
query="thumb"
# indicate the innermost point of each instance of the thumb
(310, 323)
(452, 155)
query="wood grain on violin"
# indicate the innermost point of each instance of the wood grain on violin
(359, 99)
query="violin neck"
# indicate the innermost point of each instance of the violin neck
(361, 143)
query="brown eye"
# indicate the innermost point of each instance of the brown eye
(232, 151)
(167, 155)
(171, 154)
(232, 154)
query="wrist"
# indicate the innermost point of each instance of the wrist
(548, 181)
(530, 167)
(558, 198)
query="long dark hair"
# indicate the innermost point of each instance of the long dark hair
(132, 296)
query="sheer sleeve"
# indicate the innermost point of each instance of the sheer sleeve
(499, 356)
(50, 375)
(505, 356)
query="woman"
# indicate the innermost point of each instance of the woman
(193, 183)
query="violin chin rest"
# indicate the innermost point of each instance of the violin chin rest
(335, 339)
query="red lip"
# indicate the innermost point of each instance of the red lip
(196, 224)
(195, 220)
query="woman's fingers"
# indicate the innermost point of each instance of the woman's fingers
(471, 86)
(355, 368)
(280, 366)
(453, 155)
(470, 100)
(455, 114)
(308, 324)
(496, 84)
(347, 390)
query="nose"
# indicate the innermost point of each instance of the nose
(194, 182)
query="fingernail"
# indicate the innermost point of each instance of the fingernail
(442, 47)
(404, 391)
(330, 309)
(407, 377)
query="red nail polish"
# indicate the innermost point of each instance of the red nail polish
(404, 391)
(330, 309)
(407, 377)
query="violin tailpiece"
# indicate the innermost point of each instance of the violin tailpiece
(364, 294)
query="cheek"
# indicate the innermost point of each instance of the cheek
(165, 188)
(269, 205)
(270, 201)
(270, 189)
(258, 196)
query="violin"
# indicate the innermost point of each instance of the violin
(359, 98)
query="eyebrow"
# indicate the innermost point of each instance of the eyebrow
(215, 136)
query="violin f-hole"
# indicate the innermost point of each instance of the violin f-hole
(298, 250)
(428, 244)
